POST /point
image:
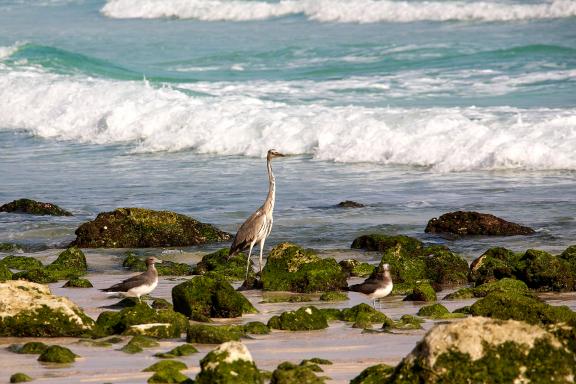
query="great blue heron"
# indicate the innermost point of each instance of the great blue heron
(378, 285)
(138, 285)
(259, 225)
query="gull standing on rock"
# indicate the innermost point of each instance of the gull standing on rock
(138, 285)
(259, 225)
(377, 286)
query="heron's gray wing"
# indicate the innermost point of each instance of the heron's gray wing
(248, 232)
(130, 283)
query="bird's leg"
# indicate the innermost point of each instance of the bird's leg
(261, 249)
(248, 262)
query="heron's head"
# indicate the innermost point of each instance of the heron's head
(152, 260)
(274, 153)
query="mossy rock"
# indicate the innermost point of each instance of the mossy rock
(256, 328)
(569, 255)
(304, 373)
(157, 331)
(78, 283)
(142, 228)
(422, 292)
(203, 297)
(30, 310)
(363, 316)
(109, 323)
(332, 313)
(22, 263)
(383, 243)
(40, 276)
(166, 365)
(506, 285)
(10, 247)
(230, 363)
(162, 304)
(57, 354)
(214, 334)
(292, 268)
(545, 272)
(166, 268)
(138, 343)
(438, 311)
(356, 268)
(169, 376)
(406, 322)
(504, 306)
(5, 273)
(482, 350)
(179, 351)
(218, 263)
(334, 296)
(30, 348)
(286, 297)
(32, 207)
(403, 289)
(444, 267)
(303, 319)
(20, 378)
(465, 223)
(494, 264)
(71, 263)
(461, 294)
(376, 374)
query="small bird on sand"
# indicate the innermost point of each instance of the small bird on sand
(138, 285)
(378, 285)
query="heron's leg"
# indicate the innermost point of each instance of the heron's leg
(248, 261)
(261, 249)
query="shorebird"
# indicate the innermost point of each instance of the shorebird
(378, 285)
(138, 285)
(259, 225)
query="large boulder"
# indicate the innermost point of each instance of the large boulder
(483, 350)
(494, 264)
(218, 263)
(292, 268)
(463, 223)
(203, 297)
(141, 228)
(30, 310)
(33, 207)
(230, 363)
(71, 263)
(545, 272)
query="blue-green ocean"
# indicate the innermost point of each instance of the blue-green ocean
(414, 108)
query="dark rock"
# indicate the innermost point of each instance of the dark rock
(350, 204)
(57, 354)
(162, 304)
(141, 228)
(203, 297)
(292, 268)
(33, 207)
(376, 374)
(382, 243)
(230, 363)
(303, 319)
(217, 262)
(463, 223)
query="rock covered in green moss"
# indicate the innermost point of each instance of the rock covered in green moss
(230, 363)
(70, 263)
(405, 322)
(363, 316)
(353, 267)
(506, 285)
(422, 292)
(153, 320)
(166, 365)
(20, 378)
(218, 263)
(214, 334)
(78, 283)
(162, 304)
(142, 228)
(302, 319)
(445, 267)
(155, 330)
(5, 273)
(30, 348)
(438, 311)
(10, 247)
(332, 313)
(382, 243)
(22, 263)
(179, 351)
(29, 309)
(464, 223)
(138, 343)
(292, 268)
(167, 268)
(303, 373)
(483, 350)
(256, 328)
(569, 255)
(33, 207)
(57, 354)
(545, 272)
(334, 296)
(203, 297)
(376, 374)
(169, 376)
(494, 264)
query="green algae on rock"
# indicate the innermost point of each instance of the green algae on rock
(545, 272)
(494, 264)
(203, 297)
(218, 263)
(22, 263)
(230, 363)
(138, 343)
(256, 328)
(506, 285)
(162, 304)
(363, 316)
(179, 351)
(30, 348)
(438, 311)
(78, 283)
(20, 378)
(166, 365)
(143, 228)
(214, 334)
(57, 354)
(302, 319)
(155, 330)
(292, 268)
(10, 247)
(376, 374)
(70, 263)
(33, 207)
(464, 223)
(383, 243)
(5, 273)
(169, 376)
(356, 268)
(483, 350)
(303, 373)
(30, 310)
(422, 292)
(405, 322)
(334, 296)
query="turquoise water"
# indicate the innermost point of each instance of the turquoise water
(414, 108)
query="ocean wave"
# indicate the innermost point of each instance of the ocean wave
(339, 11)
(150, 119)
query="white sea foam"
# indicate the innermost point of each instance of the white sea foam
(151, 119)
(343, 11)
(9, 50)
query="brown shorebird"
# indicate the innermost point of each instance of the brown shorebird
(138, 285)
(378, 285)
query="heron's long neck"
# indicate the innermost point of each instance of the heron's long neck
(269, 203)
